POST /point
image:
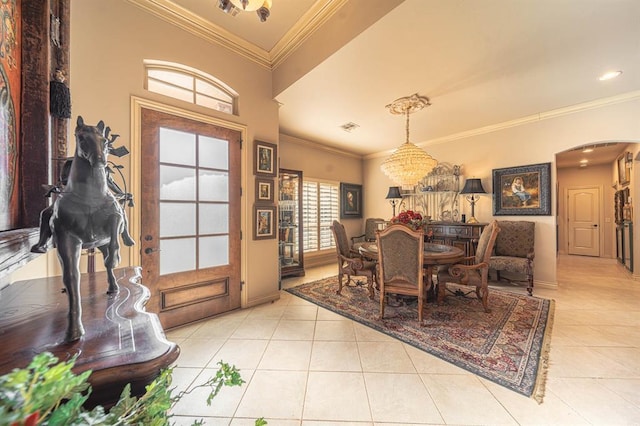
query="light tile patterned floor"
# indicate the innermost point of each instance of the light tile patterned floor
(304, 365)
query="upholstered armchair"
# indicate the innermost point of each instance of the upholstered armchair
(514, 251)
(475, 269)
(401, 258)
(369, 236)
(350, 263)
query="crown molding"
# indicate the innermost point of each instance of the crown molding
(176, 15)
(309, 144)
(310, 22)
(188, 21)
(554, 113)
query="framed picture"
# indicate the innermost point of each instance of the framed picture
(264, 226)
(524, 190)
(624, 168)
(264, 191)
(350, 201)
(265, 159)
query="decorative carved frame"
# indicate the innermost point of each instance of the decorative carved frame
(537, 178)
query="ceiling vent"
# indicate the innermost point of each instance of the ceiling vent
(349, 127)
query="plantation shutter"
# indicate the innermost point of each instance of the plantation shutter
(310, 215)
(329, 211)
(320, 207)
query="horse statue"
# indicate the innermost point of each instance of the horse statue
(85, 215)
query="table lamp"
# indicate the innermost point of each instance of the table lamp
(472, 189)
(394, 197)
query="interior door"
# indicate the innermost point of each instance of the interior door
(584, 221)
(190, 217)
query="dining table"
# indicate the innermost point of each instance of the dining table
(433, 255)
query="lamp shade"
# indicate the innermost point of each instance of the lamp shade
(394, 193)
(473, 186)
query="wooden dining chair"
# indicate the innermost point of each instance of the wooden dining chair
(400, 261)
(475, 269)
(350, 263)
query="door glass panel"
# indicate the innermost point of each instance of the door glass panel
(177, 147)
(214, 251)
(177, 255)
(213, 153)
(177, 219)
(177, 183)
(214, 186)
(213, 218)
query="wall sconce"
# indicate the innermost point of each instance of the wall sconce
(472, 188)
(394, 197)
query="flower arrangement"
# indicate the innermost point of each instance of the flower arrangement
(413, 220)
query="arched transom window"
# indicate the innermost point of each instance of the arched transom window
(190, 85)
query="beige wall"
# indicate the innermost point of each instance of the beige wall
(530, 143)
(318, 162)
(108, 46)
(109, 43)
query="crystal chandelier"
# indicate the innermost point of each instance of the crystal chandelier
(409, 163)
(261, 7)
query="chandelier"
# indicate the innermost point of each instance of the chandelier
(261, 7)
(409, 163)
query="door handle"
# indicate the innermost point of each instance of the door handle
(595, 225)
(150, 250)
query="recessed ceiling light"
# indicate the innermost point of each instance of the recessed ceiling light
(584, 161)
(587, 150)
(583, 165)
(609, 75)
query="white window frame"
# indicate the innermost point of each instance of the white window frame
(226, 101)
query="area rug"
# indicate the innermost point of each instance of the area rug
(509, 345)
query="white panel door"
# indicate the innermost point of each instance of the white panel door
(584, 221)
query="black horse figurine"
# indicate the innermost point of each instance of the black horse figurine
(85, 215)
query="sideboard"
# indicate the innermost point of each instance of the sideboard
(462, 235)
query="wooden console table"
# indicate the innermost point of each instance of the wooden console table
(122, 343)
(457, 234)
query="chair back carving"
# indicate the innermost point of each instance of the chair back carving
(350, 263)
(342, 242)
(486, 242)
(401, 260)
(476, 274)
(370, 228)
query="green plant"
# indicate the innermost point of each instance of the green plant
(49, 393)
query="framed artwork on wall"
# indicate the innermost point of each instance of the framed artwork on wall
(350, 201)
(264, 191)
(523, 190)
(264, 226)
(265, 159)
(624, 168)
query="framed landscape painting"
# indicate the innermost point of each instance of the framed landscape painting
(523, 190)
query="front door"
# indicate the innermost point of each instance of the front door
(190, 217)
(584, 220)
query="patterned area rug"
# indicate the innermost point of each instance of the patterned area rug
(508, 346)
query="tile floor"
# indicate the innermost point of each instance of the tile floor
(304, 365)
